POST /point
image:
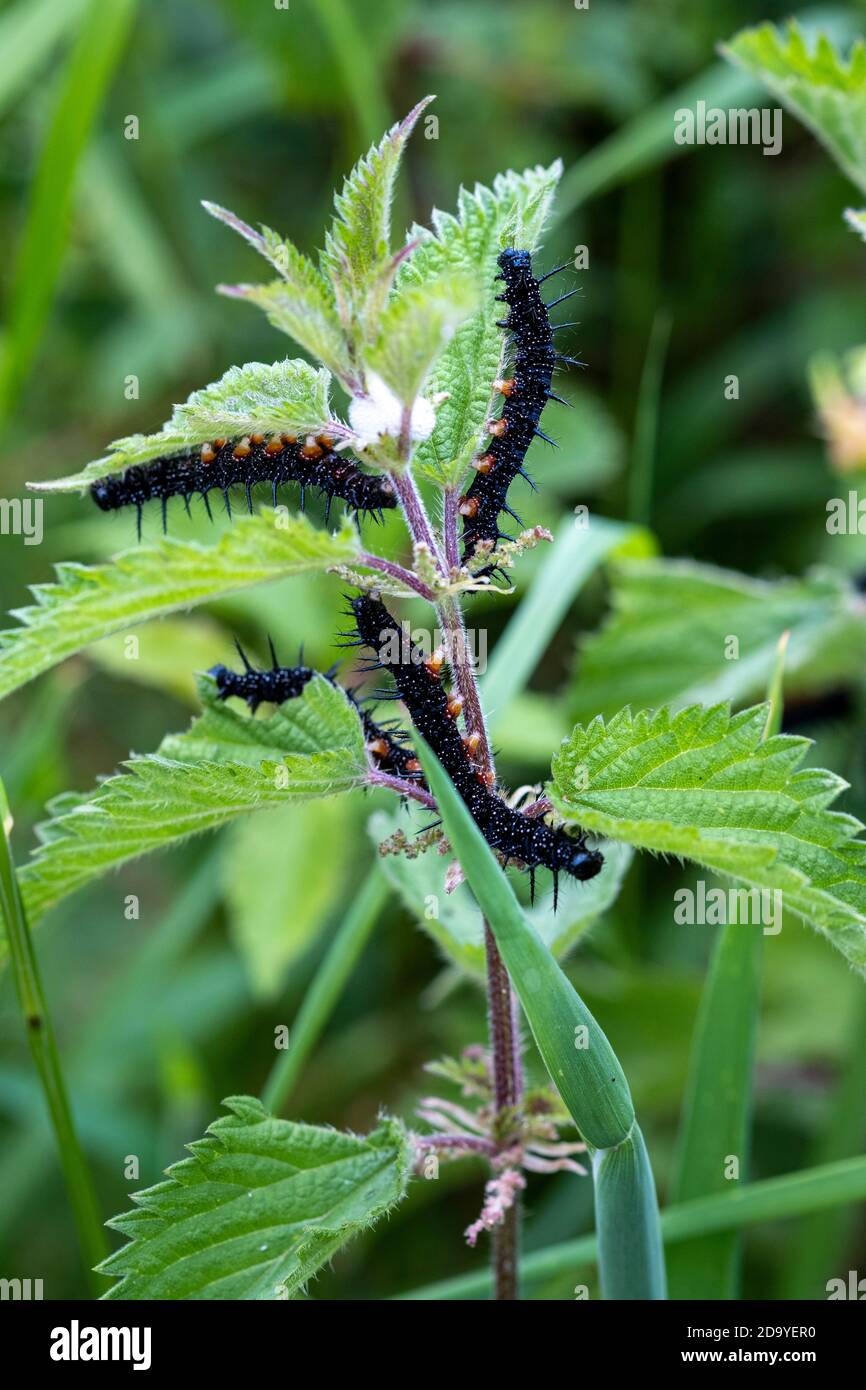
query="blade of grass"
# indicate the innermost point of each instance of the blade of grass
(88, 71)
(642, 465)
(578, 1057)
(576, 554)
(361, 75)
(772, 1199)
(714, 1131)
(31, 30)
(821, 1241)
(46, 1058)
(327, 987)
(648, 139)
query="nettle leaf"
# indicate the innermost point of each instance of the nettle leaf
(513, 212)
(319, 720)
(300, 303)
(279, 889)
(453, 919)
(88, 603)
(669, 640)
(226, 765)
(357, 246)
(705, 785)
(416, 326)
(261, 397)
(823, 91)
(260, 1206)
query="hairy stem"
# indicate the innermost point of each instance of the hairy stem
(507, 1089)
(415, 513)
(377, 778)
(403, 576)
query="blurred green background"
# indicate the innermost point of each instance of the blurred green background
(109, 272)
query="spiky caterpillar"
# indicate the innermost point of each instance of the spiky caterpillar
(526, 393)
(227, 463)
(434, 714)
(384, 742)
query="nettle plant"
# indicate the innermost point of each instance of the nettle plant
(424, 342)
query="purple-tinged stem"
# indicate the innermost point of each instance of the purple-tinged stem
(403, 576)
(376, 778)
(415, 513)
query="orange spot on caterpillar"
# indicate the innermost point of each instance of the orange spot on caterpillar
(257, 439)
(413, 765)
(290, 439)
(241, 449)
(455, 706)
(220, 443)
(506, 387)
(498, 427)
(208, 453)
(472, 742)
(326, 440)
(489, 778)
(274, 445)
(310, 449)
(484, 463)
(378, 747)
(468, 507)
(435, 662)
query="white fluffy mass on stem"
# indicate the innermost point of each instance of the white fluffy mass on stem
(380, 413)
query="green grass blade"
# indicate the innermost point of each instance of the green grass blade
(326, 988)
(822, 1240)
(774, 1199)
(89, 70)
(46, 1058)
(630, 1253)
(588, 1077)
(31, 30)
(714, 1133)
(578, 1057)
(642, 466)
(576, 554)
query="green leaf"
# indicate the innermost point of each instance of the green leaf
(258, 398)
(226, 765)
(513, 213)
(823, 91)
(300, 303)
(320, 720)
(260, 1206)
(88, 603)
(415, 327)
(631, 1258)
(702, 785)
(588, 1077)
(669, 638)
(357, 246)
(280, 888)
(453, 919)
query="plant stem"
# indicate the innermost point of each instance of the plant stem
(404, 576)
(377, 778)
(43, 1047)
(415, 513)
(507, 1088)
(326, 987)
(501, 1004)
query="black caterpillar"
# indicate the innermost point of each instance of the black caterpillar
(526, 394)
(434, 715)
(384, 742)
(226, 463)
